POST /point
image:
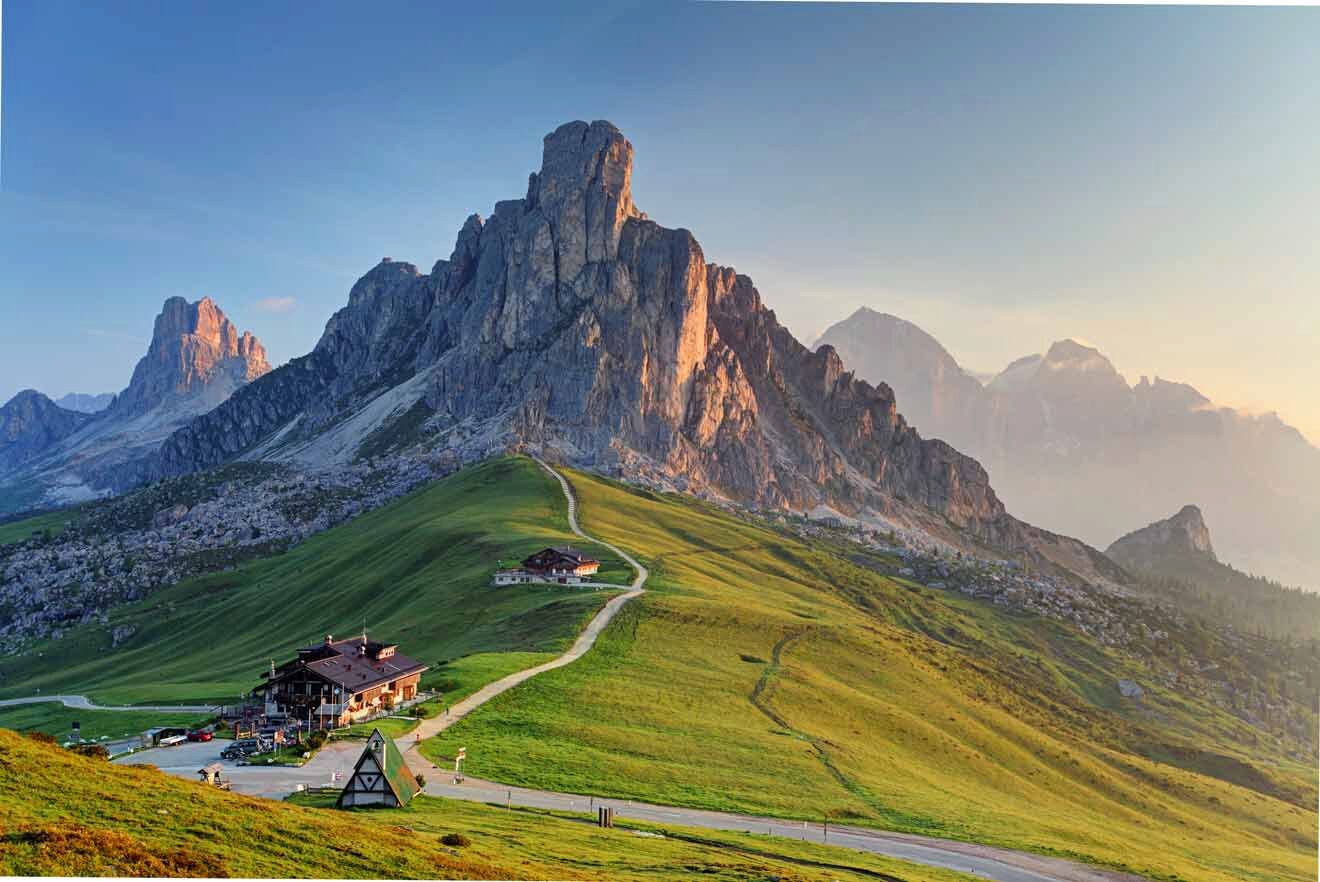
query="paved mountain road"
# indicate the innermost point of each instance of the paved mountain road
(1000, 864)
(82, 702)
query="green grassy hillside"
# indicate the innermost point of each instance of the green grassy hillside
(761, 673)
(67, 815)
(55, 719)
(416, 571)
(18, 529)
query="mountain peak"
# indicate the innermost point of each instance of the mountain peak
(84, 402)
(568, 322)
(1184, 534)
(883, 329)
(29, 423)
(195, 351)
(1072, 350)
(584, 190)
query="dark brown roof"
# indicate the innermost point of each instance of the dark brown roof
(341, 664)
(547, 557)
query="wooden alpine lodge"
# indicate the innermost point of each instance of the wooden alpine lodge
(565, 566)
(338, 682)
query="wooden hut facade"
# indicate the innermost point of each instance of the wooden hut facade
(381, 777)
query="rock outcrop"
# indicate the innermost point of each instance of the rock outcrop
(196, 359)
(939, 397)
(31, 423)
(569, 322)
(1183, 534)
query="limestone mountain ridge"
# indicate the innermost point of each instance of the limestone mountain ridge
(570, 323)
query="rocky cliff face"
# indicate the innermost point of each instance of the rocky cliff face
(197, 358)
(1184, 534)
(29, 424)
(569, 322)
(939, 397)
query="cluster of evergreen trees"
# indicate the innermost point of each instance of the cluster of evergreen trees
(1251, 604)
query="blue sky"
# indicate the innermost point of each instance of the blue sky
(1140, 177)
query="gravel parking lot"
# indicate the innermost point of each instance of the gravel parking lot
(272, 782)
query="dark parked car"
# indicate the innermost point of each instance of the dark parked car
(240, 749)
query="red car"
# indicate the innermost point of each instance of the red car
(200, 735)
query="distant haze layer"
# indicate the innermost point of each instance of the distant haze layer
(1071, 445)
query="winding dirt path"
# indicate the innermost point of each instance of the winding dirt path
(999, 864)
(587, 639)
(987, 862)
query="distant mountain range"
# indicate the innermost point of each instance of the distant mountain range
(85, 403)
(52, 454)
(1071, 444)
(570, 323)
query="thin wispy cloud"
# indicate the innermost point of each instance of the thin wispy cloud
(277, 304)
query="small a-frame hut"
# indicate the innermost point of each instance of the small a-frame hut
(381, 777)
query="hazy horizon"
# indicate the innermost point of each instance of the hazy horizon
(1002, 177)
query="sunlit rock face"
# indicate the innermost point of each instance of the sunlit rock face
(195, 361)
(567, 321)
(196, 352)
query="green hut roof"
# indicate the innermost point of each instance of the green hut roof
(397, 774)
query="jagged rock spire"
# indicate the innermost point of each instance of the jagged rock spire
(584, 189)
(194, 347)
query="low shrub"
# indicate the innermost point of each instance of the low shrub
(95, 751)
(457, 840)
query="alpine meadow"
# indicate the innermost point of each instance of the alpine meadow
(574, 551)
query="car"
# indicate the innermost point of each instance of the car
(200, 735)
